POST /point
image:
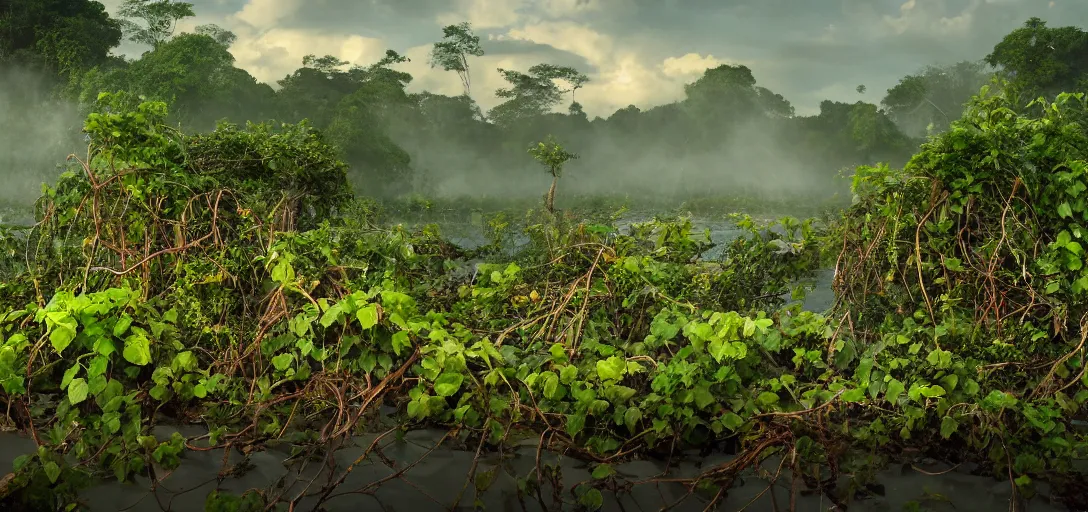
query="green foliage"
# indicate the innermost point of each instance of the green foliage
(552, 156)
(1043, 61)
(733, 89)
(957, 277)
(227, 276)
(971, 284)
(452, 52)
(66, 36)
(533, 94)
(195, 74)
(163, 307)
(930, 100)
(159, 17)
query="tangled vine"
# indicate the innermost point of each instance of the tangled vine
(224, 280)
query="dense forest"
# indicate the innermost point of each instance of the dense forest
(212, 306)
(727, 135)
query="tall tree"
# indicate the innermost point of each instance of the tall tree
(64, 36)
(195, 74)
(362, 122)
(160, 19)
(931, 99)
(1040, 60)
(727, 87)
(220, 34)
(569, 76)
(725, 98)
(382, 71)
(774, 104)
(534, 93)
(452, 52)
(314, 90)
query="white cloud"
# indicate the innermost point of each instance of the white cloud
(638, 51)
(272, 54)
(629, 82)
(263, 14)
(932, 17)
(689, 65)
(570, 37)
(564, 8)
(267, 13)
(484, 14)
(622, 78)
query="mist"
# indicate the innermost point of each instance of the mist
(758, 158)
(748, 164)
(726, 135)
(40, 130)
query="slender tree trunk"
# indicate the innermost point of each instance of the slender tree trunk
(549, 200)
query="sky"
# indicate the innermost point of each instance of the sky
(638, 52)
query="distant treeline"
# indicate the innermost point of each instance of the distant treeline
(727, 133)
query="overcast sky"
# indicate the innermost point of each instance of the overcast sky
(637, 51)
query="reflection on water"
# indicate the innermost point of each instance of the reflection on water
(439, 476)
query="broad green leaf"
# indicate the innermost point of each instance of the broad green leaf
(62, 331)
(137, 349)
(111, 422)
(20, 461)
(732, 421)
(865, 368)
(400, 341)
(96, 384)
(603, 471)
(122, 325)
(592, 499)
(895, 388)
(970, 387)
(448, 383)
(283, 272)
(998, 400)
(950, 381)
(663, 328)
(1064, 211)
(332, 315)
(185, 361)
(703, 397)
(932, 391)
(575, 424)
(69, 374)
(854, 395)
(77, 391)
(551, 385)
(767, 398)
(158, 392)
(52, 471)
(368, 316)
(631, 418)
(568, 374)
(949, 425)
(283, 361)
(618, 394)
(300, 324)
(611, 368)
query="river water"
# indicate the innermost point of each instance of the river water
(434, 483)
